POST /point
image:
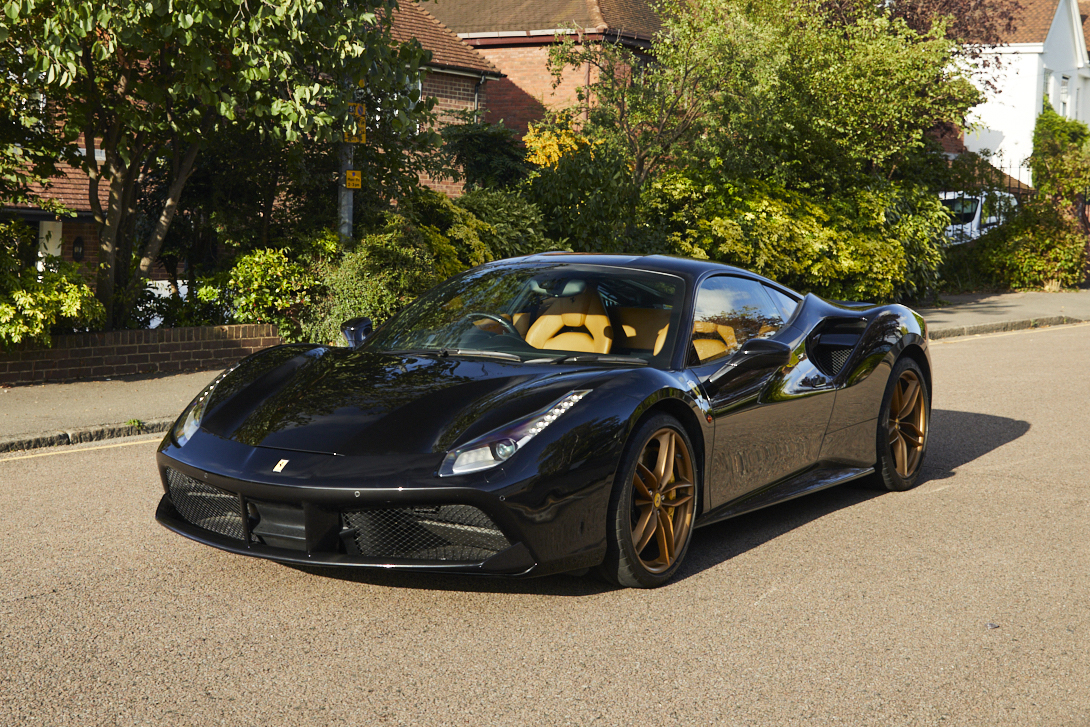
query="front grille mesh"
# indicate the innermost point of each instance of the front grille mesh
(456, 533)
(205, 506)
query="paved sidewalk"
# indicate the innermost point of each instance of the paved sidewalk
(44, 415)
(50, 414)
(990, 313)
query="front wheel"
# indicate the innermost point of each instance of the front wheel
(652, 507)
(903, 427)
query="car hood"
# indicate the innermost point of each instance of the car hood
(338, 401)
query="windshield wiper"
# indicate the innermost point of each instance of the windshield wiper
(601, 358)
(472, 352)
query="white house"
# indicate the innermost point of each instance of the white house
(1046, 55)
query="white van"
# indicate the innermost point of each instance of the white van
(974, 214)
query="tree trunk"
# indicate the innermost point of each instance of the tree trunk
(108, 232)
(155, 244)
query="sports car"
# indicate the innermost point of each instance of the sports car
(546, 414)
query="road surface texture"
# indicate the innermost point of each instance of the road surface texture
(963, 602)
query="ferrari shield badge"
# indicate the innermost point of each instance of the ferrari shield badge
(280, 465)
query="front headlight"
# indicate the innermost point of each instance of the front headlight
(500, 445)
(190, 420)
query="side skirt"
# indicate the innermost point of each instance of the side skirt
(804, 484)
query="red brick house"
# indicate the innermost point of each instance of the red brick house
(456, 76)
(515, 35)
(74, 239)
(457, 73)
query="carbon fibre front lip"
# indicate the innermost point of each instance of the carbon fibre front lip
(514, 561)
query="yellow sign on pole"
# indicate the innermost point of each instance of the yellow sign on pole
(360, 112)
(353, 179)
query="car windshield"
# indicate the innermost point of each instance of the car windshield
(963, 209)
(550, 313)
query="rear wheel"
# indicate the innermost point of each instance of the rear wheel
(652, 507)
(903, 427)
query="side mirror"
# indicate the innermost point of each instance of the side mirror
(756, 354)
(356, 331)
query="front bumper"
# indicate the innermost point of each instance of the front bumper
(311, 515)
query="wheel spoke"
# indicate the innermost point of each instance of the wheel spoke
(645, 529)
(900, 455)
(675, 486)
(678, 502)
(642, 478)
(895, 401)
(911, 433)
(665, 534)
(664, 467)
(913, 460)
(911, 395)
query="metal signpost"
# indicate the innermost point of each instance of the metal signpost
(351, 179)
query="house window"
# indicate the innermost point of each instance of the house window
(1065, 95)
(1048, 87)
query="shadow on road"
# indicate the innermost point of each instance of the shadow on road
(718, 543)
(959, 437)
(956, 438)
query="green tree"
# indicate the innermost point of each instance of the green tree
(654, 104)
(789, 136)
(149, 82)
(483, 154)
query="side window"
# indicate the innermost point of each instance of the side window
(729, 312)
(786, 303)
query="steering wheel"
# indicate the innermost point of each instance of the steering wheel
(504, 323)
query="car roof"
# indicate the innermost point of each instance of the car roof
(685, 267)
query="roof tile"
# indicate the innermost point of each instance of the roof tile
(73, 189)
(513, 16)
(447, 49)
(1035, 21)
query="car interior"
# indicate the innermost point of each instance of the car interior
(585, 316)
(582, 316)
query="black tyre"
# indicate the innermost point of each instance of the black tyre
(903, 424)
(653, 505)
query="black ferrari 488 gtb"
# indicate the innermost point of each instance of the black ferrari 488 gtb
(547, 414)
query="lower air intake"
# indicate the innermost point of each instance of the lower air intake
(831, 359)
(455, 533)
(205, 506)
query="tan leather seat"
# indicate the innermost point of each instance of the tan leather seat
(712, 340)
(583, 310)
(643, 329)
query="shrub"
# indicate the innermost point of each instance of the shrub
(487, 155)
(453, 233)
(33, 303)
(583, 189)
(203, 306)
(516, 225)
(1042, 246)
(385, 272)
(266, 286)
(856, 245)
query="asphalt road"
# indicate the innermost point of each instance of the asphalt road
(846, 607)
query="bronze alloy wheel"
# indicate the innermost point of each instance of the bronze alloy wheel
(907, 423)
(662, 500)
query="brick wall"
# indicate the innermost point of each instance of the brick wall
(452, 94)
(117, 353)
(527, 91)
